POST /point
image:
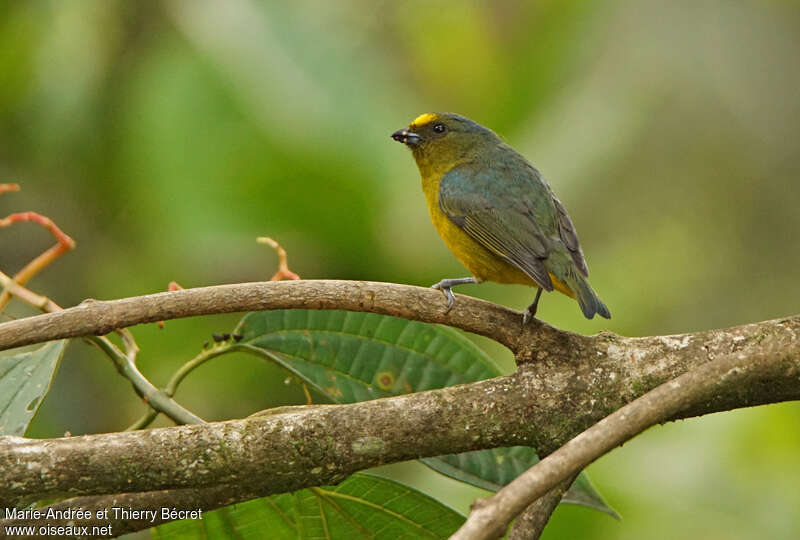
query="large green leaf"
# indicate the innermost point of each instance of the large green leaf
(24, 381)
(363, 506)
(349, 356)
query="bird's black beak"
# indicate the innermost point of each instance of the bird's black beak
(406, 137)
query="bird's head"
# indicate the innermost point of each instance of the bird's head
(440, 139)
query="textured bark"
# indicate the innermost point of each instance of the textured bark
(565, 383)
(490, 517)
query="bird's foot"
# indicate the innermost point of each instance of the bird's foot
(451, 299)
(528, 314)
(446, 284)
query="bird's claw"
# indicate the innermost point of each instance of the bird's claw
(451, 299)
(527, 316)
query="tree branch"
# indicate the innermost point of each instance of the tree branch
(530, 523)
(94, 317)
(490, 517)
(565, 383)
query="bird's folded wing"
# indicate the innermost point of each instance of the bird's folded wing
(506, 228)
(566, 231)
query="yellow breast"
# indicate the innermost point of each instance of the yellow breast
(479, 261)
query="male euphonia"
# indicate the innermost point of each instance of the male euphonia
(495, 212)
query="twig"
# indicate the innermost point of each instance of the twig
(178, 377)
(283, 264)
(124, 362)
(64, 244)
(191, 365)
(145, 420)
(29, 297)
(282, 273)
(151, 395)
(60, 236)
(175, 381)
(490, 517)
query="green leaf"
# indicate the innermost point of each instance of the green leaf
(492, 469)
(24, 382)
(363, 506)
(488, 469)
(582, 492)
(349, 356)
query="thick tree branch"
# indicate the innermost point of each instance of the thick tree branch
(490, 517)
(539, 406)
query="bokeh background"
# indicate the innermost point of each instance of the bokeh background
(165, 136)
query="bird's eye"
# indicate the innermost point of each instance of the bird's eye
(439, 128)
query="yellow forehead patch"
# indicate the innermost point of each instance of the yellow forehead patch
(423, 119)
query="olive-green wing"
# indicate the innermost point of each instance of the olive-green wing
(503, 219)
(569, 237)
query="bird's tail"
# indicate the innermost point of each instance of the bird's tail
(587, 298)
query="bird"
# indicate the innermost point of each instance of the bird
(496, 212)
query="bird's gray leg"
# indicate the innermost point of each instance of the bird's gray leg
(446, 284)
(528, 314)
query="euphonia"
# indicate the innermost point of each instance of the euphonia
(495, 212)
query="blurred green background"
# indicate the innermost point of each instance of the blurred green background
(165, 136)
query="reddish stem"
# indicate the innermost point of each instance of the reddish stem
(283, 264)
(65, 243)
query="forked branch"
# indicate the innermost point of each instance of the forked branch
(564, 385)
